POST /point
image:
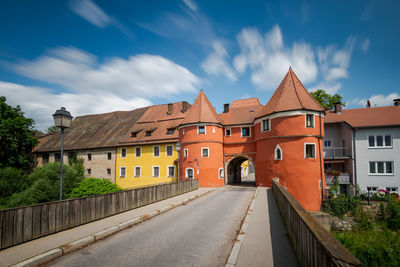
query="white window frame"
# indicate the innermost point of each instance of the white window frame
(186, 173)
(186, 153)
(276, 148)
(208, 152)
(241, 131)
(134, 171)
(384, 168)
(313, 122)
(305, 151)
(330, 142)
(120, 152)
(120, 172)
(140, 147)
(159, 171)
(372, 191)
(219, 173)
(262, 126)
(389, 188)
(205, 129)
(159, 151)
(230, 132)
(384, 143)
(168, 171)
(166, 150)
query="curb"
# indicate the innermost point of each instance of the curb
(75, 245)
(233, 256)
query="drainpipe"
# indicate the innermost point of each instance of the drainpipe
(223, 154)
(320, 156)
(354, 157)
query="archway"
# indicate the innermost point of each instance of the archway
(240, 170)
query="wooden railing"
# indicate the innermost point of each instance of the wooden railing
(18, 225)
(314, 246)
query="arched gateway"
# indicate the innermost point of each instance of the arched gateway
(240, 170)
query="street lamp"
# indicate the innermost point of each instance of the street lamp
(178, 149)
(62, 120)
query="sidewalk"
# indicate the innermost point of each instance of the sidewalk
(263, 240)
(91, 231)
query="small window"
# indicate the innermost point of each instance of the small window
(57, 156)
(221, 173)
(89, 157)
(122, 172)
(134, 134)
(138, 152)
(310, 120)
(327, 143)
(123, 152)
(204, 152)
(170, 131)
(89, 171)
(310, 151)
(186, 153)
(171, 171)
(109, 171)
(201, 129)
(391, 189)
(265, 125)
(228, 132)
(278, 153)
(189, 173)
(109, 155)
(371, 141)
(156, 151)
(379, 140)
(372, 188)
(170, 150)
(137, 171)
(372, 167)
(245, 131)
(148, 133)
(45, 158)
(156, 171)
(388, 140)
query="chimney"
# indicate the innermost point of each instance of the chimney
(396, 102)
(170, 105)
(338, 107)
(368, 104)
(226, 108)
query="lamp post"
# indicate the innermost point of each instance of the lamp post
(62, 120)
(178, 149)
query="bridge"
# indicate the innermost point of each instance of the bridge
(230, 226)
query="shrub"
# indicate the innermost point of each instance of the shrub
(12, 180)
(341, 205)
(94, 186)
(394, 218)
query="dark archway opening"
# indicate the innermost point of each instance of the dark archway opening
(241, 171)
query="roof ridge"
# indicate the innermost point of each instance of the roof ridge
(294, 86)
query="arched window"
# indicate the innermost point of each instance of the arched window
(189, 173)
(278, 153)
(221, 173)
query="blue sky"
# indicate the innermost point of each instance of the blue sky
(95, 56)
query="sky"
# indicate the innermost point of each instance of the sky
(96, 56)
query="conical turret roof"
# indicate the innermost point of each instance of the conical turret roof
(201, 111)
(290, 95)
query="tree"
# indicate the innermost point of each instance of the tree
(326, 100)
(51, 129)
(17, 137)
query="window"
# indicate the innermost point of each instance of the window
(169, 150)
(228, 132)
(278, 153)
(109, 171)
(204, 152)
(221, 173)
(310, 120)
(134, 134)
(265, 124)
(137, 170)
(89, 157)
(189, 173)
(45, 158)
(156, 171)
(327, 143)
(391, 189)
(156, 151)
(380, 140)
(171, 171)
(138, 152)
(122, 172)
(70, 156)
(186, 153)
(123, 152)
(170, 131)
(245, 131)
(148, 133)
(201, 129)
(310, 151)
(57, 156)
(381, 167)
(372, 188)
(109, 155)
(89, 171)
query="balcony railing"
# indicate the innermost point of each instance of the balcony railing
(337, 152)
(344, 178)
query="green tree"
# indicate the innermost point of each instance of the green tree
(94, 186)
(52, 129)
(326, 100)
(17, 137)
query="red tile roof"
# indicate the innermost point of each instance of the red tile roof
(367, 117)
(290, 95)
(242, 111)
(201, 111)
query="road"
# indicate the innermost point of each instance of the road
(200, 233)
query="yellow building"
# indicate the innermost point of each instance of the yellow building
(147, 155)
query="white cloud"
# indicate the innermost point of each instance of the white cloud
(365, 45)
(40, 103)
(376, 100)
(215, 64)
(141, 75)
(330, 88)
(268, 57)
(191, 4)
(91, 12)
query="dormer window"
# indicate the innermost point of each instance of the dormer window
(170, 131)
(148, 133)
(201, 129)
(134, 134)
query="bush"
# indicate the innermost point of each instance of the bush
(394, 218)
(341, 205)
(12, 180)
(94, 186)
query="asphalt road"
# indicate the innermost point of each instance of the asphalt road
(200, 233)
